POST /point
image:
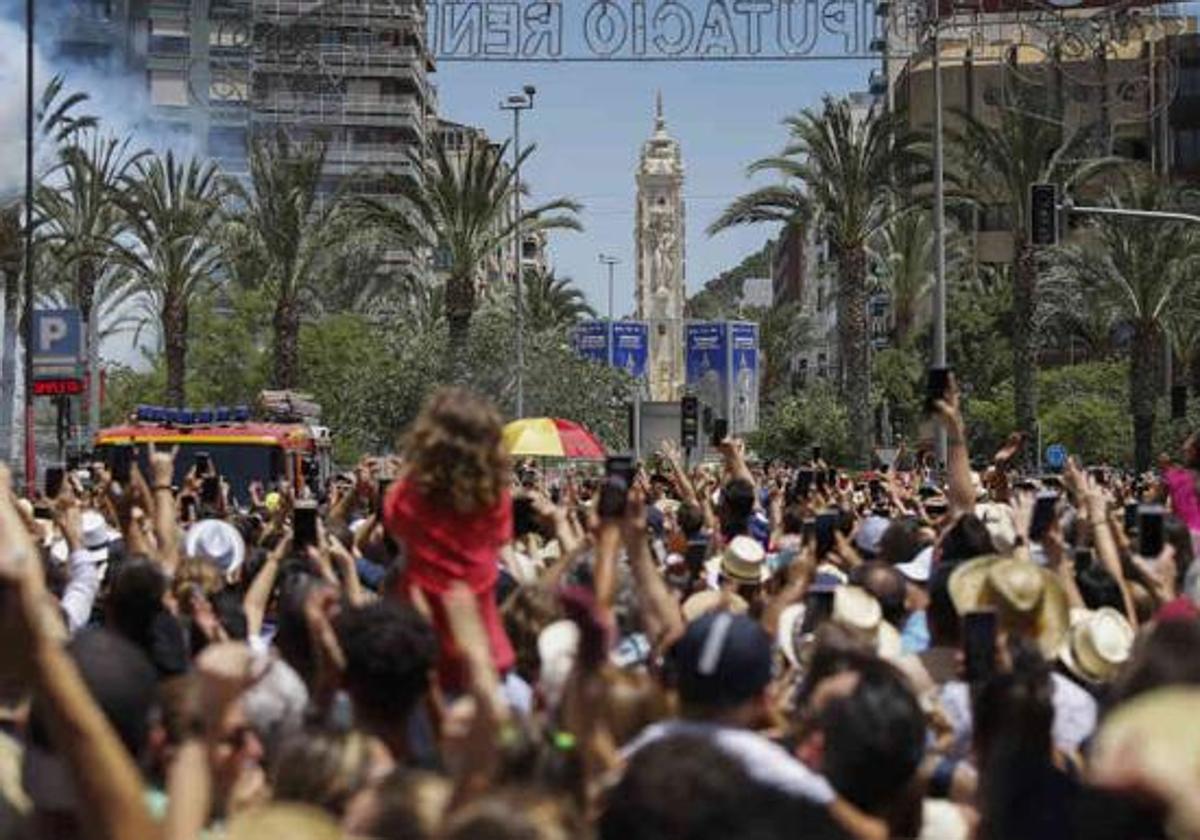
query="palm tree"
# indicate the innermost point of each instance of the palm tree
(905, 252)
(57, 122)
(844, 174)
(552, 302)
(173, 208)
(1139, 272)
(80, 220)
(460, 209)
(292, 231)
(998, 160)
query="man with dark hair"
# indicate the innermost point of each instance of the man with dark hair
(123, 683)
(390, 652)
(868, 738)
(686, 788)
(888, 587)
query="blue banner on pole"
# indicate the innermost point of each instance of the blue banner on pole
(706, 360)
(591, 339)
(744, 367)
(631, 347)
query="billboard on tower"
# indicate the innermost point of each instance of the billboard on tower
(591, 340)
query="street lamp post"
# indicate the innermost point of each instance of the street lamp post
(518, 103)
(939, 226)
(610, 262)
(30, 449)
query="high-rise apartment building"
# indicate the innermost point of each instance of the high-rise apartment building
(207, 74)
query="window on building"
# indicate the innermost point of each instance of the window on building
(1189, 80)
(802, 373)
(168, 87)
(822, 365)
(1187, 148)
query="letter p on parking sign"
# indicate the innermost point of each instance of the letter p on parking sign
(57, 337)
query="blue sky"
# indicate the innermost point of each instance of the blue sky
(591, 119)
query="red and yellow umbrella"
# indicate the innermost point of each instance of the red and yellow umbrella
(550, 437)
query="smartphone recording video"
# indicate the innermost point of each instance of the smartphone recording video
(937, 387)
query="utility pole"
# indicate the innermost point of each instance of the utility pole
(939, 224)
(518, 103)
(610, 262)
(30, 117)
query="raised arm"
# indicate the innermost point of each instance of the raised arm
(959, 492)
(258, 595)
(664, 622)
(106, 778)
(162, 469)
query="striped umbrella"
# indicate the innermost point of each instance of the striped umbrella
(550, 437)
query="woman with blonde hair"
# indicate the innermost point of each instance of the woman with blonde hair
(451, 511)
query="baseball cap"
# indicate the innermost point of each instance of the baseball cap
(723, 659)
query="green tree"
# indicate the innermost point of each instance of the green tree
(905, 251)
(794, 424)
(995, 162)
(844, 173)
(80, 220)
(459, 208)
(291, 232)
(173, 209)
(552, 302)
(1138, 271)
(57, 122)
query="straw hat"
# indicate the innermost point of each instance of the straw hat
(856, 610)
(1098, 643)
(744, 561)
(1029, 599)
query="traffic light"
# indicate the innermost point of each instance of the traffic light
(689, 423)
(1043, 214)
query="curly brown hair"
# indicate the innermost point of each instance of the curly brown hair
(455, 453)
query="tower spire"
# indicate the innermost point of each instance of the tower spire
(660, 122)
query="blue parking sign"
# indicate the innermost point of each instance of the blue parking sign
(57, 337)
(1056, 456)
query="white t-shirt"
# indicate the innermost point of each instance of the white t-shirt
(766, 762)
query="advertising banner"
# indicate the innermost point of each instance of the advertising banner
(706, 360)
(592, 341)
(743, 342)
(631, 347)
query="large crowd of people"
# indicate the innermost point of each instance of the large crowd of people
(453, 643)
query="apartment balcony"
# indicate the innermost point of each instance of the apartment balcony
(390, 10)
(347, 160)
(85, 29)
(341, 109)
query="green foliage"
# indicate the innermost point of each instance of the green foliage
(721, 295)
(898, 376)
(1083, 407)
(793, 425)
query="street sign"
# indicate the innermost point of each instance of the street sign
(57, 343)
(1056, 456)
(68, 386)
(1043, 214)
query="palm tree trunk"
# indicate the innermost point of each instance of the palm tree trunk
(1143, 393)
(287, 343)
(175, 326)
(460, 305)
(1024, 358)
(852, 347)
(85, 281)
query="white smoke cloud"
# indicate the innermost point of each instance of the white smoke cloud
(12, 107)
